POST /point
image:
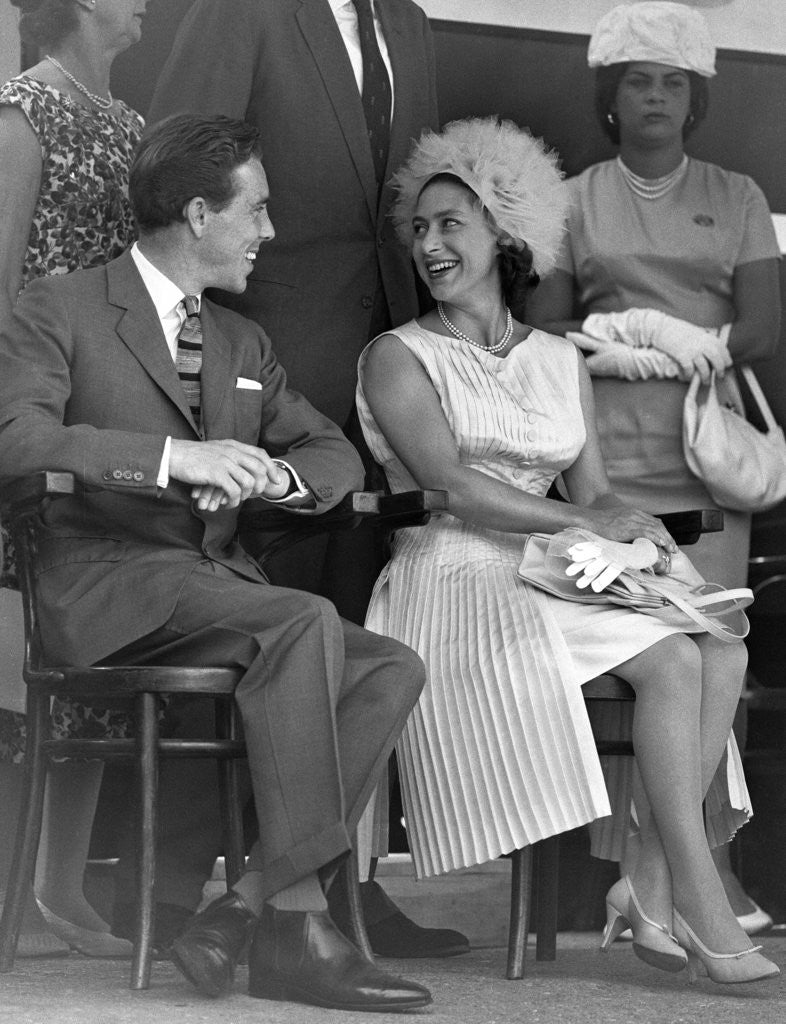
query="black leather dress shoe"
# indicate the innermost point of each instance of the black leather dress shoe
(303, 956)
(210, 945)
(390, 932)
(170, 919)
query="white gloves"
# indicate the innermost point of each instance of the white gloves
(601, 561)
(691, 348)
(611, 359)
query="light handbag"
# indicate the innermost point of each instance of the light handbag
(681, 599)
(742, 468)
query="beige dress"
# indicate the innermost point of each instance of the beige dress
(499, 753)
(677, 254)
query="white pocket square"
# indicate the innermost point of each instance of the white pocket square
(248, 384)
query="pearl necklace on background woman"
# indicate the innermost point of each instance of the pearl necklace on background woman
(100, 101)
(476, 344)
(652, 188)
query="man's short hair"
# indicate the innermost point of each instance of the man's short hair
(184, 156)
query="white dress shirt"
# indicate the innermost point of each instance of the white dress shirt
(168, 300)
(347, 20)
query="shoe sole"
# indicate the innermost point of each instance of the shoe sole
(663, 961)
(418, 954)
(291, 993)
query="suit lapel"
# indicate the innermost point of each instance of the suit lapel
(217, 380)
(403, 115)
(140, 329)
(322, 35)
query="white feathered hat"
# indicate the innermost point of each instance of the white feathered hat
(513, 174)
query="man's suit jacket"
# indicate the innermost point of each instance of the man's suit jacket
(87, 384)
(282, 66)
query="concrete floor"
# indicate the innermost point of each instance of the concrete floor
(581, 987)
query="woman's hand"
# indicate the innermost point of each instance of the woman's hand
(626, 524)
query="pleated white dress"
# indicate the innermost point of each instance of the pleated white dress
(499, 753)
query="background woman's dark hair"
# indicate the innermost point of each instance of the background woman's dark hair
(607, 80)
(45, 22)
(184, 156)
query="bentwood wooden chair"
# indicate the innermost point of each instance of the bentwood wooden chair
(142, 689)
(535, 869)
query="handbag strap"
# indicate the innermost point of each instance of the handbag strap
(723, 631)
(738, 598)
(758, 395)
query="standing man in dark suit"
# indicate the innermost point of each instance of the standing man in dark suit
(310, 74)
(334, 276)
(171, 411)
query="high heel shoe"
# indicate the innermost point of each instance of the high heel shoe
(723, 968)
(652, 942)
(100, 945)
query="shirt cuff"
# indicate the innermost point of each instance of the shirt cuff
(298, 496)
(163, 470)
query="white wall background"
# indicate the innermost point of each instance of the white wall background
(9, 41)
(735, 24)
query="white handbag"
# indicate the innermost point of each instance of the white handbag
(743, 468)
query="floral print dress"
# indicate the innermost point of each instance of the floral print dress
(82, 218)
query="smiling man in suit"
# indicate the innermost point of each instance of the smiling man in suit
(312, 75)
(171, 411)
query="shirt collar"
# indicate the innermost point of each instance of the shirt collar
(336, 5)
(165, 294)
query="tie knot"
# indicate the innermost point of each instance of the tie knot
(191, 302)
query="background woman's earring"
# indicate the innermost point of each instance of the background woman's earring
(611, 118)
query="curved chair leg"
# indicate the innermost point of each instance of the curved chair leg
(147, 767)
(520, 889)
(547, 874)
(354, 905)
(28, 830)
(229, 795)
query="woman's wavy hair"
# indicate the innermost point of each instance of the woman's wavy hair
(607, 80)
(44, 22)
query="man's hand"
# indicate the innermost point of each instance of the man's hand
(225, 473)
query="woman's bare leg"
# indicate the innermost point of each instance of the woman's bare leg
(679, 733)
(72, 790)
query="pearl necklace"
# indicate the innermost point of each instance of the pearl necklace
(652, 188)
(100, 102)
(476, 344)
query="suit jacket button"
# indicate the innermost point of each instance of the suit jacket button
(107, 474)
(117, 474)
(366, 302)
(139, 476)
(127, 474)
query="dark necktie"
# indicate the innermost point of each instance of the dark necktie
(189, 355)
(376, 90)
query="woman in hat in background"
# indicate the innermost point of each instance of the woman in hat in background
(673, 265)
(498, 753)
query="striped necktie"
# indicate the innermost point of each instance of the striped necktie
(376, 90)
(189, 355)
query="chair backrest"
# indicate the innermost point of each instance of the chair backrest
(22, 504)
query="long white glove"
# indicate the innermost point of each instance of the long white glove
(598, 563)
(613, 359)
(694, 349)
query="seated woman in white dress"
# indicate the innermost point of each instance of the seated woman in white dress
(499, 753)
